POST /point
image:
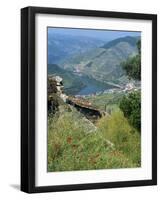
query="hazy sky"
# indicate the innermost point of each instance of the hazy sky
(99, 34)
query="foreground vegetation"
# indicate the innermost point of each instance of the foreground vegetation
(74, 143)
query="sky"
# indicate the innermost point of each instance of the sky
(99, 34)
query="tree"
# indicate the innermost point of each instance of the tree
(131, 106)
(132, 65)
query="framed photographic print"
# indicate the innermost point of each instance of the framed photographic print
(88, 99)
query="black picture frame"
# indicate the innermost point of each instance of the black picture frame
(28, 98)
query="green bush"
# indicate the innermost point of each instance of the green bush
(132, 65)
(131, 107)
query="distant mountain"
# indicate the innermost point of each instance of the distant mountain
(104, 63)
(64, 46)
(131, 40)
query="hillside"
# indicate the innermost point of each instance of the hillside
(104, 63)
(74, 145)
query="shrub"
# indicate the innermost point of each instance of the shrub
(131, 107)
(132, 65)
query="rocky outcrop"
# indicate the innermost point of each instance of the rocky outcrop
(55, 90)
(86, 108)
(56, 97)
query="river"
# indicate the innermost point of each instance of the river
(92, 86)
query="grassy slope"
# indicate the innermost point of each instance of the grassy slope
(106, 101)
(71, 146)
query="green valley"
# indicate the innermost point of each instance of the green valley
(104, 63)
